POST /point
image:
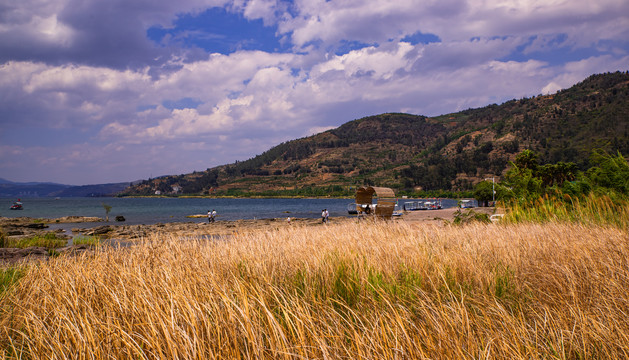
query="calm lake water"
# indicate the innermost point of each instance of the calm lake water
(162, 210)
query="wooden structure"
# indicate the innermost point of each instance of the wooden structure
(386, 201)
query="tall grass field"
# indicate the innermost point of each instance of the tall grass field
(590, 210)
(349, 291)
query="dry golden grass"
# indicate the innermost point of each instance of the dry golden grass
(373, 291)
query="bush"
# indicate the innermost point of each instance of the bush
(49, 241)
(470, 216)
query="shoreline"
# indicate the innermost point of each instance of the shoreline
(25, 226)
(71, 227)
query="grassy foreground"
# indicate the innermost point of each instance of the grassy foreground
(381, 291)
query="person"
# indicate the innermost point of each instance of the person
(327, 216)
(213, 215)
(323, 216)
(288, 220)
(209, 216)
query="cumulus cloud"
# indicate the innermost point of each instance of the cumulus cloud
(100, 33)
(124, 107)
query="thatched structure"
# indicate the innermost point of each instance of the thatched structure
(386, 200)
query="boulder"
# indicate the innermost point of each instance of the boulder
(99, 230)
(120, 218)
(12, 255)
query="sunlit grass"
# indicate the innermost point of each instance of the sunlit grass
(48, 240)
(9, 276)
(86, 240)
(375, 291)
(592, 209)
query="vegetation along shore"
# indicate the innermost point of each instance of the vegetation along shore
(374, 290)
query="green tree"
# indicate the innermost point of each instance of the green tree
(527, 159)
(611, 172)
(523, 183)
(107, 210)
(484, 192)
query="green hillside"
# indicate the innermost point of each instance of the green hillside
(409, 153)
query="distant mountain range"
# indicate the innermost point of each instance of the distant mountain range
(412, 152)
(36, 189)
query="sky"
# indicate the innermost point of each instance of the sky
(101, 91)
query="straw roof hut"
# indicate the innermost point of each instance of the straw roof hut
(386, 200)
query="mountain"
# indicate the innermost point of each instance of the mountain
(411, 152)
(34, 189)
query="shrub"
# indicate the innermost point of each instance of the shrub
(49, 240)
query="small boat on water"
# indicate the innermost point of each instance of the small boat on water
(414, 205)
(397, 211)
(17, 205)
(351, 209)
(433, 205)
(466, 204)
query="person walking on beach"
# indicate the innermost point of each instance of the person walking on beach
(323, 216)
(213, 215)
(209, 216)
(326, 215)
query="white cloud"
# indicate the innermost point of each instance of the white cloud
(87, 68)
(454, 20)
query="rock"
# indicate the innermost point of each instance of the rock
(99, 230)
(75, 249)
(12, 255)
(36, 226)
(120, 218)
(76, 219)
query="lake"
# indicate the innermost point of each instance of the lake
(162, 210)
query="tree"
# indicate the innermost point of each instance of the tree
(484, 192)
(107, 210)
(523, 183)
(527, 159)
(612, 172)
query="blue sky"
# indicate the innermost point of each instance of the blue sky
(109, 91)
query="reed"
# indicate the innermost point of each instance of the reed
(591, 209)
(378, 291)
(49, 240)
(86, 240)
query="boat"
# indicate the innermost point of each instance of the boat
(397, 211)
(351, 209)
(17, 205)
(466, 204)
(414, 205)
(433, 205)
